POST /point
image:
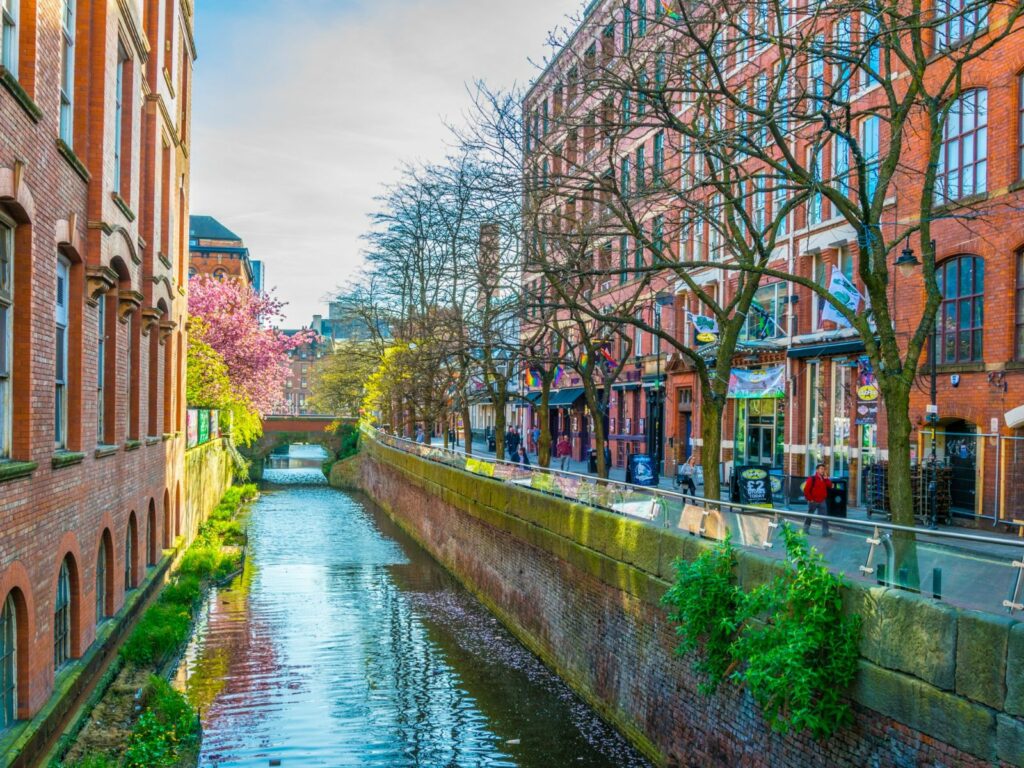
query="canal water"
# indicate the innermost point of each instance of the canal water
(345, 644)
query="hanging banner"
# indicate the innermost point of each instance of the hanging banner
(845, 293)
(867, 393)
(767, 382)
(705, 326)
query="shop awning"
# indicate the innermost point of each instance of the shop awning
(533, 397)
(626, 385)
(827, 349)
(563, 398)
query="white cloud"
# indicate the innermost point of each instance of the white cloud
(300, 118)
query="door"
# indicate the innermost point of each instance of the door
(962, 452)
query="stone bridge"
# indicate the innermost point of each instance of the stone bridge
(281, 429)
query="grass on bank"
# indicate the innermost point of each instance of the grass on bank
(165, 733)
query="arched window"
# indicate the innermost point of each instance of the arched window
(61, 302)
(963, 159)
(62, 618)
(962, 313)
(6, 332)
(220, 274)
(101, 581)
(151, 534)
(8, 663)
(129, 556)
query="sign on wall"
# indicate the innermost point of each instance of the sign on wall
(867, 393)
(758, 384)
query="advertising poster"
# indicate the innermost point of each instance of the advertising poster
(867, 393)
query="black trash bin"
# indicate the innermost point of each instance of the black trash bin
(838, 498)
(592, 461)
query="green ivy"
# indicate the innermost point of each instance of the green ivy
(788, 641)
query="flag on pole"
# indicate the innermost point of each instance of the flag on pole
(844, 292)
(559, 373)
(532, 378)
(701, 323)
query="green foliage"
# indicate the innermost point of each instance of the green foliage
(802, 657)
(93, 761)
(705, 604)
(159, 633)
(165, 732)
(788, 640)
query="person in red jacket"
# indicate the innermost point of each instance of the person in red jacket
(816, 491)
(563, 449)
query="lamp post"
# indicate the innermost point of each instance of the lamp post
(663, 299)
(907, 262)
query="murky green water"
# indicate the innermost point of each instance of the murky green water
(345, 644)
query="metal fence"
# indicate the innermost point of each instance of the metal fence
(965, 569)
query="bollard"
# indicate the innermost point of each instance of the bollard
(937, 583)
(880, 570)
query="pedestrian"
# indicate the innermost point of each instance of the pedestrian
(816, 492)
(512, 443)
(524, 457)
(686, 475)
(535, 434)
(421, 436)
(563, 450)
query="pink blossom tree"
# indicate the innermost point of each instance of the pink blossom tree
(238, 325)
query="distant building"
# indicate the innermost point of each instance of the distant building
(298, 384)
(258, 275)
(216, 250)
(339, 326)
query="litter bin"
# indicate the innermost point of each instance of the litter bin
(838, 498)
(592, 461)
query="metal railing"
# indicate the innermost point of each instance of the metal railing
(966, 569)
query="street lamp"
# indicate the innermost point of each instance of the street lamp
(662, 299)
(907, 262)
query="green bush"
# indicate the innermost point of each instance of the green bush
(705, 605)
(93, 761)
(788, 640)
(166, 730)
(159, 634)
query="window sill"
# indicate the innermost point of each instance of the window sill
(132, 445)
(167, 436)
(1017, 186)
(153, 439)
(962, 202)
(62, 459)
(73, 160)
(165, 261)
(123, 206)
(13, 470)
(10, 82)
(958, 368)
(105, 450)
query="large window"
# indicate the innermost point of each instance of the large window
(62, 618)
(963, 159)
(870, 143)
(121, 95)
(6, 333)
(60, 408)
(957, 20)
(962, 314)
(101, 365)
(1019, 346)
(101, 582)
(9, 35)
(1020, 126)
(766, 317)
(658, 166)
(8, 663)
(67, 70)
(129, 556)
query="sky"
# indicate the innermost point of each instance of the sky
(304, 110)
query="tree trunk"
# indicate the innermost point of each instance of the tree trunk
(901, 497)
(544, 444)
(711, 411)
(499, 433)
(467, 430)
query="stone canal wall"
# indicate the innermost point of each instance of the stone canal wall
(580, 587)
(208, 473)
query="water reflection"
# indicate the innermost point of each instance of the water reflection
(345, 644)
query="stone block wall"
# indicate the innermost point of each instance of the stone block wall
(581, 588)
(208, 474)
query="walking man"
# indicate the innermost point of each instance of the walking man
(816, 491)
(563, 450)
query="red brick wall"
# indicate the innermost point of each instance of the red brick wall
(56, 512)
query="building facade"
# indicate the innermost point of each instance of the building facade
(94, 184)
(813, 407)
(217, 251)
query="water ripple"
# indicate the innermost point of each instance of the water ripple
(344, 644)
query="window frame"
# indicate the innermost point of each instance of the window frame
(7, 257)
(966, 24)
(101, 366)
(67, 70)
(975, 302)
(62, 618)
(62, 310)
(101, 582)
(8, 662)
(10, 17)
(978, 136)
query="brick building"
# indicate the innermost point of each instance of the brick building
(302, 360)
(216, 250)
(94, 184)
(814, 412)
